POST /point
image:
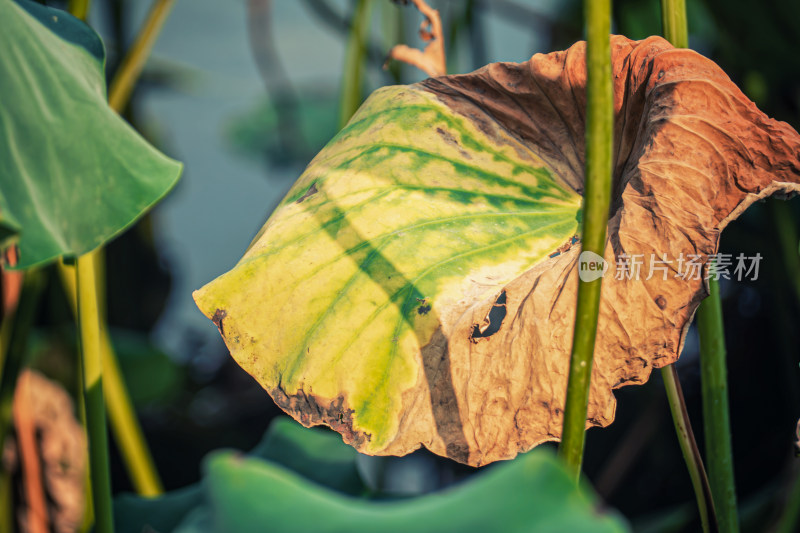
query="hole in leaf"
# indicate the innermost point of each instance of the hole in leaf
(491, 324)
(219, 315)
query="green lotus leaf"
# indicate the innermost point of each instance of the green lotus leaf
(417, 285)
(9, 230)
(73, 174)
(262, 491)
(533, 493)
(317, 455)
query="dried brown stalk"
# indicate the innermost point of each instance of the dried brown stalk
(24, 417)
(50, 453)
(11, 282)
(431, 60)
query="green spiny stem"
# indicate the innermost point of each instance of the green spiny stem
(597, 196)
(353, 79)
(691, 454)
(92, 369)
(676, 30)
(716, 418)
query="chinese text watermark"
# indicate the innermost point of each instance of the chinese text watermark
(737, 267)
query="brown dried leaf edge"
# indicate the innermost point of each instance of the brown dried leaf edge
(691, 154)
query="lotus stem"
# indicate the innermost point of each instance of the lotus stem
(787, 236)
(676, 30)
(597, 196)
(716, 418)
(80, 405)
(79, 8)
(674, 22)
(92, 370)
(131, 67)
(125, 426)
(353, 77)
(6, 507)
(691, 454)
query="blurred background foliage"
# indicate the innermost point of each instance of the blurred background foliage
(246, 92)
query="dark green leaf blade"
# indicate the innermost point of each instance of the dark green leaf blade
(134, 514)
(73, 174)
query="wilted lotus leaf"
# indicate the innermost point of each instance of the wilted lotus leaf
(417, 286)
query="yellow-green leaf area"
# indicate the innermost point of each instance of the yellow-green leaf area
(410, 213)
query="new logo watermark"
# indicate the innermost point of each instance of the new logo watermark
(591, 266)
(688, 267)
